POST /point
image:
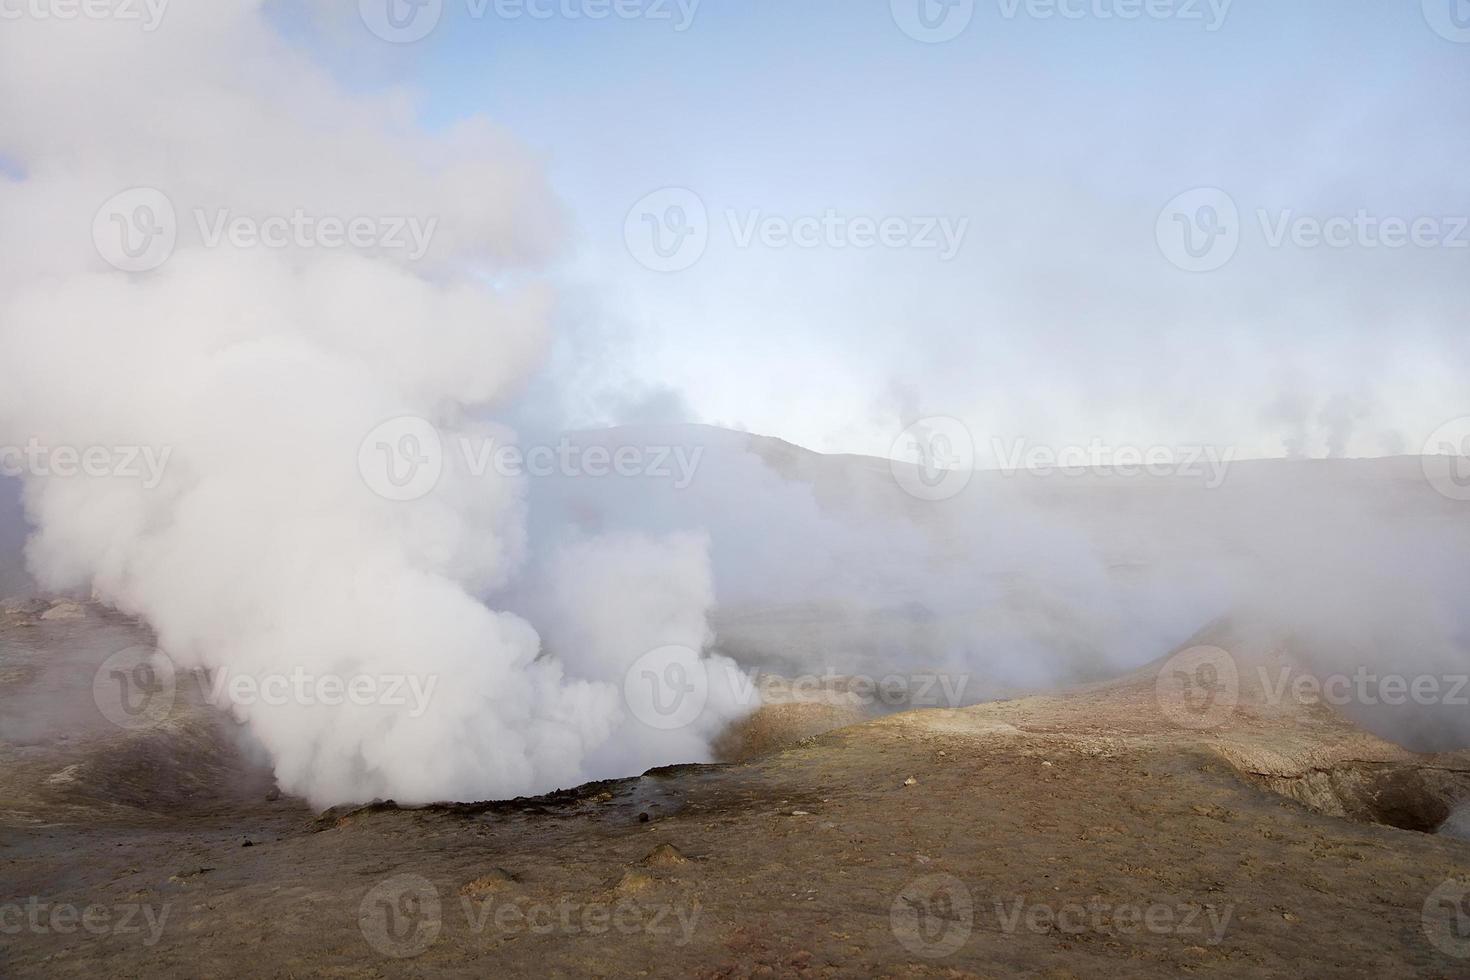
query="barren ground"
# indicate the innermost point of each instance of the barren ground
(1081, 835)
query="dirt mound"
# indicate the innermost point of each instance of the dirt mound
(1246, 699)
(774, 727)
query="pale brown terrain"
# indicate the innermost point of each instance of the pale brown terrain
(1080, 834)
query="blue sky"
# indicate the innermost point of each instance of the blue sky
(1058, 140)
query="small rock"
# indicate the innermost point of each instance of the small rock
(910, 781)
(496, 879)
(186, 875)
(664, 856)
(65, 611)
(248, 844)
(22, 609)
(643, 817)
(634, 882)
(63, 777)
(273, 795)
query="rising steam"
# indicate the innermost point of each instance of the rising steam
(261, 551)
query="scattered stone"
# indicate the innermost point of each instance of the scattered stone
(67, 776)
(664, 856)
(65, 611)
(273, 794)
(186, 875)
(643, 817)
(248, 844)
(910, 781)
(496, 879)
(22, 610)
(634, 882)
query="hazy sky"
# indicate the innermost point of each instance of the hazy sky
(1048, 137)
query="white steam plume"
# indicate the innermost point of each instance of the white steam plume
(259, 370)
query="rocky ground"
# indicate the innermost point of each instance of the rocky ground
(1175, 822)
